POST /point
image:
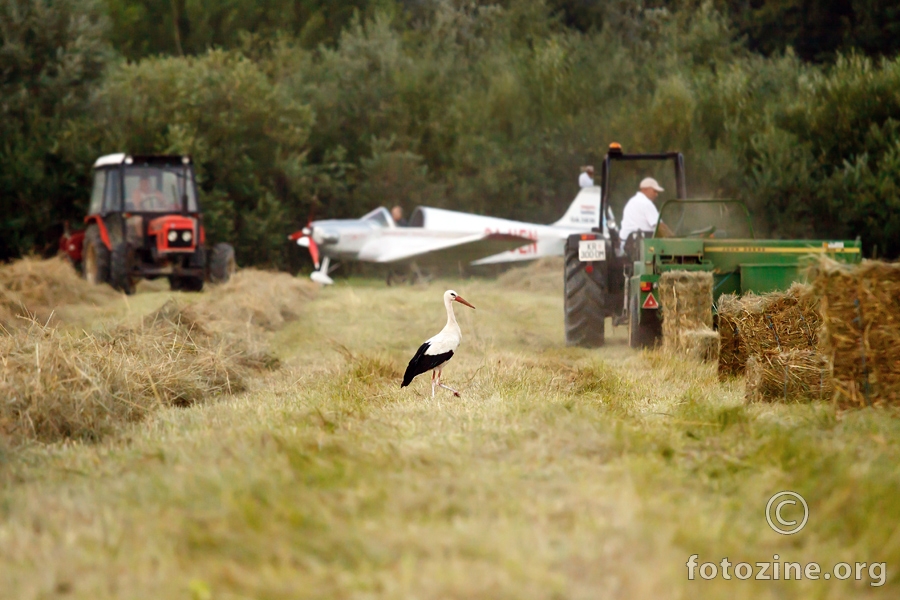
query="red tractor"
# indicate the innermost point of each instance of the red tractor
(144, 221)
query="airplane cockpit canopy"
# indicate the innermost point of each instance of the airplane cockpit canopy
(380, 217)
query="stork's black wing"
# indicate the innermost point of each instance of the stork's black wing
(422, 363)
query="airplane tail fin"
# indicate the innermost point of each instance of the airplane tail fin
(584, 212)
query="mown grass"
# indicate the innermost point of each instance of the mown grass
(559, 473)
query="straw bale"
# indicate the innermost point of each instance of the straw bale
(732, 353)
(861, 329)
(766, 324)
(780, 321)
(700, 344)
(685, 299)
(792, 376)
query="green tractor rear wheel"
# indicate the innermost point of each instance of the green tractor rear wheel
(584, 303)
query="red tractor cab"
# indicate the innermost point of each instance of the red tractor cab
(144, 221)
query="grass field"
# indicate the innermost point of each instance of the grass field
(559, 473)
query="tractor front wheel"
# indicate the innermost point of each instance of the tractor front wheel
(221, 263)
(120, 268)
(96, 257)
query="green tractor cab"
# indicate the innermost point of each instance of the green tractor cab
(707, 235)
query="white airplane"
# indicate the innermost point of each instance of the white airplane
(436, 235)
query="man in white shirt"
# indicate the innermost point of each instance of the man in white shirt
(640, 213)
(586, 179)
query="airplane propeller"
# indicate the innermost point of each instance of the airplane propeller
(304, 238)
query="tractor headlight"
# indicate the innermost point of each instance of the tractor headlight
(173, 235)
(186, 236)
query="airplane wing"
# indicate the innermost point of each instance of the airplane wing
(414, 243)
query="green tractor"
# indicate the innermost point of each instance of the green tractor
(609, 277)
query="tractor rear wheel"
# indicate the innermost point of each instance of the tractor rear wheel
(584, 304)
(221, 263)
(120, 268)
(642, 334)
(96, 257)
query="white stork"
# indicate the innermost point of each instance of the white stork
(434, 354)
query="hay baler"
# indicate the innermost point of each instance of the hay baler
(738, 266)
(606, 278)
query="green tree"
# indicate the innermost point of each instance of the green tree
(247, 136)
(143, 28)
(52, 54)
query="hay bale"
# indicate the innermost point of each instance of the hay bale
(793, 376)
(685, 298)
(860, 308)
(766, 324)
(780, 321)
(700, 344)
(732, 353)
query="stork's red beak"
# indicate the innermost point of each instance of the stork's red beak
(462, 301)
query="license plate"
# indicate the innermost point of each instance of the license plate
(589, 250)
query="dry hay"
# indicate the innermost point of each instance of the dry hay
(700, 344)
(732, 354)
(766, 324)
(545, 274)
(685, 298)
(255, 298)
(861, 329)
(37, 287)
(62, 384)
(792, 376)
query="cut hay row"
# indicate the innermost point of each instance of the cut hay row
(792, 376)
(255, 298)
(767, 324)
(64, 383)
(861, 330)
(543, 275)
(59, 384)
(36, 287)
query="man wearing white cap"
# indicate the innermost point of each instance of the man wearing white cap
(640, 213)
(586, 179)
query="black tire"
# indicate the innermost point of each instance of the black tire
(584, 304)
(95, 257)
(120, 276)
(646, 333)
(221, 263)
